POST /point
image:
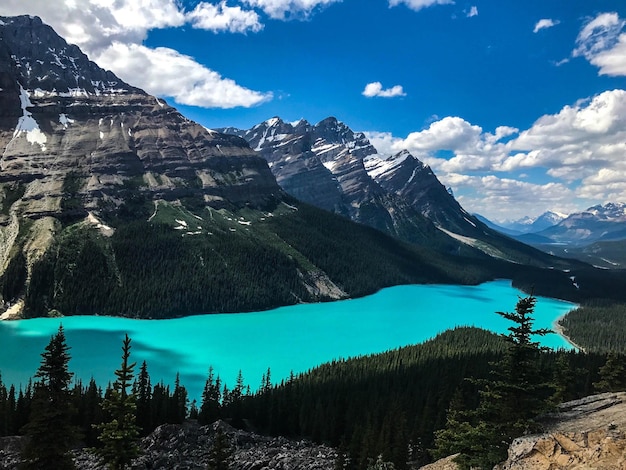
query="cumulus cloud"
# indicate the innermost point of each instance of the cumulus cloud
(221, 17)
(578, 154)
(166, 72)
(506, 198)
(375, 89)
(602, 41)
(419, 4)
(544, 23)
(289, 9)
(112, 34)
(473, 11)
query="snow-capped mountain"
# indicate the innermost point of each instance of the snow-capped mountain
(533, 224)
(61, 114)
(598, 223)
(332, 167)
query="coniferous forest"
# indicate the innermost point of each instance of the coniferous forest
(411, 404)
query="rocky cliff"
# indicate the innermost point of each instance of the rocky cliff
(69, 126)
(586, 434)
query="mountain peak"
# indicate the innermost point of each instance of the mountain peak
(609, 210)
(44, 62)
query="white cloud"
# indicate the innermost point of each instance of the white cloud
(473, 11)
(544, 23)
(507, 198)
(375, 89)
(112, 33)
(224, 18)
(166, 72)
(602, 41)
(419, 4)
(577, 154)
(449, 133)
(289, 9)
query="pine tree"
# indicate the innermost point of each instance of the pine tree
(211, 398)
(178, 403)
(612, 374)
(49, 429)
(509, 403)
(220, 454)
(120, 434)
(143, 392)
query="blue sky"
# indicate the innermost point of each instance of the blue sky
(518, 106)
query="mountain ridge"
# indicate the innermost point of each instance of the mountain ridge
(332, 167)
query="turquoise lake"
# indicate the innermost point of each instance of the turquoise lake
(286, 339)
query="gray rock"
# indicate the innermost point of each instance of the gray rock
(187, 446)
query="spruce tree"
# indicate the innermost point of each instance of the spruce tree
(211, 399)
(612, 374)
(49, 429)
(143, 392)
(120, 434)
(220, 454)
(509, 402)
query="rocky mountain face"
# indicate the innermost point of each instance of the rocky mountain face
(75, 138)
(334, 168)
(62, 114)
(171, 447)
(325, 165)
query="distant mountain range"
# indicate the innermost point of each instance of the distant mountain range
(595, 235)
(525, 224)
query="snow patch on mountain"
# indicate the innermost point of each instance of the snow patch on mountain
(376, 165)
(27, 123)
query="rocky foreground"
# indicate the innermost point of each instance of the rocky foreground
(586, 434)
(187, 447)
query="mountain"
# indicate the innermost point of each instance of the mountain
(598, 223)
(323, 165)
(334, 168)
(527, 224)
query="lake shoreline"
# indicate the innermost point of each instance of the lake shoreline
(558, 329)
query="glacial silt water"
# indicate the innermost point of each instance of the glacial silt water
(294, 338)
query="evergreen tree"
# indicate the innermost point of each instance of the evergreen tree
(509, 402)
(143, 392)
(119, 436)
(211, 398)
(612, 374)
(220, 454)
(178, 403)
(565, 379)
(49, 429)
